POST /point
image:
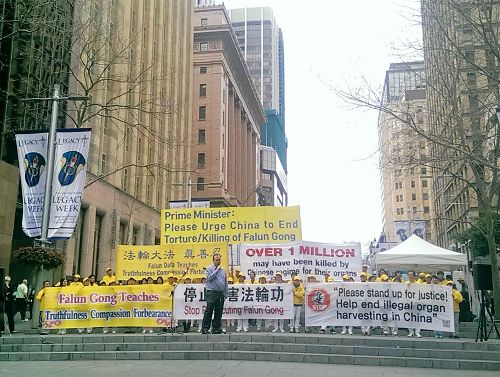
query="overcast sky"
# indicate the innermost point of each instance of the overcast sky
(332, 162)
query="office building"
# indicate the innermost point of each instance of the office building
(407, 196)
(261, 41)
(227, 115)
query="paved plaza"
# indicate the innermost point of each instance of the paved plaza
(199, 368)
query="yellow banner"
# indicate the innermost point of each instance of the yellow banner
(107, 306)
(230, 225)
(161, 260)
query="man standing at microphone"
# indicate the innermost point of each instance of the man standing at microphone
(216, 287)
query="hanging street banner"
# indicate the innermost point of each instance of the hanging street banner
(230, 225)
(259, 301)
(111, 306)
(32, 156)
(420, 306)
(72, 149)
(301, 258)
(142, 261)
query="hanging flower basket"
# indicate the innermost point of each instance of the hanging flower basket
(40, 256)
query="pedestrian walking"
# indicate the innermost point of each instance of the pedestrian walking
(22, 299)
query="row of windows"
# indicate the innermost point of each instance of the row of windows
(401, 211)
(399, 185)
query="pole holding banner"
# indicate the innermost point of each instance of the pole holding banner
(50, 165)
(48, 181)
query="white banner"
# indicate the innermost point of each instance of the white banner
(32, 155)
(257, 301)
(420, 306)
(194, 204)
(302, 258)
(72, 147)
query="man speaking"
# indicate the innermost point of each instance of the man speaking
(216, 287)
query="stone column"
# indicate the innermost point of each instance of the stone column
(87, 251)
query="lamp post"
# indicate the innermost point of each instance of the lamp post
(55, 99)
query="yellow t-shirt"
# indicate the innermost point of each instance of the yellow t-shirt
(108, 279)
(298, 295)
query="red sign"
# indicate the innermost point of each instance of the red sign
(318, 300)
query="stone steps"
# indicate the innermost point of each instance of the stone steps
(309, 348)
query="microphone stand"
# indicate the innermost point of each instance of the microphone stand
(172, 295)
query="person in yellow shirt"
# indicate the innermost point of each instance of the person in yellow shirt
(278, 324)
(421, 278)
(347, 329)
(457, 299)
(39, 296)
(170, 280)
(241, 324)
(363, 277)
(298, 301)
(109, 277)
(324, 329)
(267, 322)
(76, 281)
(412, 280)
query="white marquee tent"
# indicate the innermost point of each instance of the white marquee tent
(416, 253)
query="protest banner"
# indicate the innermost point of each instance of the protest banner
(71, 154)
(301, 258)
(32, 156)
(420, 306)
(111, 306)
(244, 301)
(139, 261)
(230, 225)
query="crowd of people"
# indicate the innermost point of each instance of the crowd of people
(15, 299)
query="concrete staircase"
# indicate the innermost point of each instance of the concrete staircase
(309, 348)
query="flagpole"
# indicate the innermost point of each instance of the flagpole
(50, 166)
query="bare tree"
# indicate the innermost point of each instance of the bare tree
(462, 131)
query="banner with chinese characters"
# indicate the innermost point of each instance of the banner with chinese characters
(139, 261)
(230, 225)
(419, 306)
(110, 306)
(72, 149)
(301, 258)
(257, 301)
(32, 156)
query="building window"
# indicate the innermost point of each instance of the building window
(397, 198)
(412, 184)
(397, 185)
(103, 164)
(201, 136)
(200, 184)
(426, 209)
(400, 198)
(137, 187)
(414, 209)
(424, 183)
(203, 46)
(424, 170)
(203, 90)
(203, 70)
(425, 196)
(413, 196)
(125, 179)
(202, 113)
(204, 22)
(201, 160)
